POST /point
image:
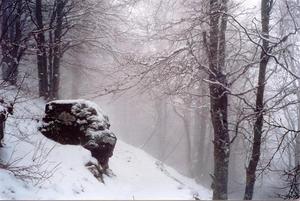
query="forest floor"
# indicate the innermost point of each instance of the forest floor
(38, 168)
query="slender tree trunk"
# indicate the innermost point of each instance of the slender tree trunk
(186, 119)
(161, 108)
(297, 140)
(11, 38)
(5, 43)
(297, 146)
(57, 48)
(202, 133)
(76, 76)
(258, 125)
(6, 12)
(17, 50)
(41, 53)
(187, 128)
(50, 61)
(218, 97)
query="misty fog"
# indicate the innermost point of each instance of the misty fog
(210, 88)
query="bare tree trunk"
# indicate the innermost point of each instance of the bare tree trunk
(202, 132)
(76, 77)
(258, 125)
(57, 48)
(218, 97)
(50, 53)
(186, 119)
(297, 145)
(41, 53)
(11, 35)
(6, 9)
(187, 127)
(161, 108)
(17, 50)
(297, 140)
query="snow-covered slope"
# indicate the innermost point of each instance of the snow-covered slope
(60, 172)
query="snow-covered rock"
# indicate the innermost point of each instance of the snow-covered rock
(5, 110)
(80, 122)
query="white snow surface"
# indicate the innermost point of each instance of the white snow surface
(137, 174)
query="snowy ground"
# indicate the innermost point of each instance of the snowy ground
(137, 175)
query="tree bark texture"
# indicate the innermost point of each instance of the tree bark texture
(11, 35)
(258, 124)
(41, 53)
(218, 97)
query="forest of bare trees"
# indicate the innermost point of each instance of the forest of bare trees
(216, 83)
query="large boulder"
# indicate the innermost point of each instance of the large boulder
(80, 122)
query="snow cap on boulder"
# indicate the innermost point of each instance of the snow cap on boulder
(80, 122)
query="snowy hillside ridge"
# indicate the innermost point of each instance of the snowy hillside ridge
(58, 171)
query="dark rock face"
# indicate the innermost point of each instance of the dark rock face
(80, 122)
